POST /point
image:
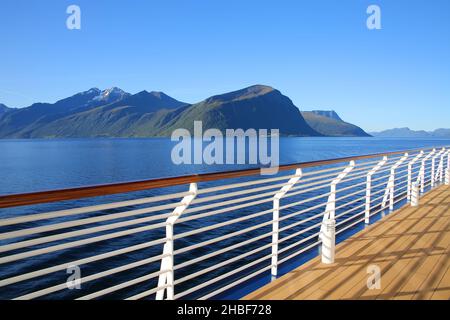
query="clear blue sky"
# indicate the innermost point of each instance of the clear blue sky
(319, 53)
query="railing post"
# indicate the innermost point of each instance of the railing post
(390, 188)
(447, 170)
(167, 263)
(369, 188)
(276, 217)
(422, 171)
(436, 172)
(410, 165)
(447, 177)
(441, 168)
(415, 195)
(433, 160)
(328, 228)
(328, 241)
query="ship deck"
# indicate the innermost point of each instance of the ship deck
(411, 247)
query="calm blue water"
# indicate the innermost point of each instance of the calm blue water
(35, 165)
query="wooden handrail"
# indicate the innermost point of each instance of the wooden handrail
(25, 199)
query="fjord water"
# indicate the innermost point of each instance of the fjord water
(35, 165)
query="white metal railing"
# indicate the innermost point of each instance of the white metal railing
(201, 242)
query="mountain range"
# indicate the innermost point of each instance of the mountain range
(116, 113)
(408, 133)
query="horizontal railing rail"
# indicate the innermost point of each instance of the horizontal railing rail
(205, 238)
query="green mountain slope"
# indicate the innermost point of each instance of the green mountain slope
(258, 107)
(328, 123)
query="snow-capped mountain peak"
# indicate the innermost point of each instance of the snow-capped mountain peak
(111, 94)
(92, 91)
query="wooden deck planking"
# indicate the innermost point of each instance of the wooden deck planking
(411, 247)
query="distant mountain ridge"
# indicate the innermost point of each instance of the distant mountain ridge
(116, 113)
(328, 123)
(408, 133)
